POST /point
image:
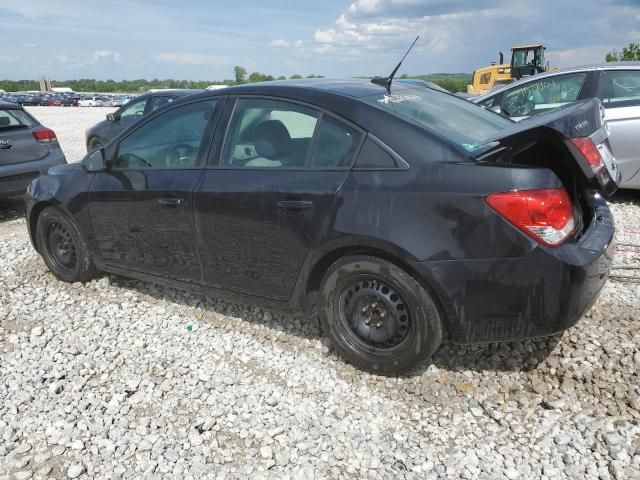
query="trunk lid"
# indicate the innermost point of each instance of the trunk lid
(548, 140)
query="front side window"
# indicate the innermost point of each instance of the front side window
(542, 95)
(133, 110)
(171, 140)
(269, 133)
(619, 88)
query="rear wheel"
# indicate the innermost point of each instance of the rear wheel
(378, 316)
(62, 247)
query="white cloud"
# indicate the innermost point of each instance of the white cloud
(29, 45)
(279, 43)
(576, 56)
(188, 58)
(100, 56)
(367, 7)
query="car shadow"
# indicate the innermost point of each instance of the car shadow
(514, 356)
(292, 323)
(11, 208)
(625, 196)
(501, 357)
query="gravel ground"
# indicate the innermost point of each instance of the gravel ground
(69, 123)
(119, 378)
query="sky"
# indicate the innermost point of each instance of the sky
(205, 39)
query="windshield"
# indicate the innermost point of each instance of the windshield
(14, 119)
(460, 121)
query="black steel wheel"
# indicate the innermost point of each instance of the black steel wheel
(375, 311)
(377, 315)
(62, 247)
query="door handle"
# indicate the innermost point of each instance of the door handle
(170, 202)
(295, 205)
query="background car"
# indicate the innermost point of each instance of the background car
(55, 101)
(616, 84)
(104, 131)
(27, 149)
(90, 101)
(393, 218)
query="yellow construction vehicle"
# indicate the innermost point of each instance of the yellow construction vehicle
(525, 60)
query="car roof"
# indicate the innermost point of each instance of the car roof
(346, 87)
(551, 73)
(7, 104)
(179, 92)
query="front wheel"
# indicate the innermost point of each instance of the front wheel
(378, 316)
(62, 247)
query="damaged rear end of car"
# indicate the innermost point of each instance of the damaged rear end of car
(567, 221)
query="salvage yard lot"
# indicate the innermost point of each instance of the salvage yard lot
(124, 378)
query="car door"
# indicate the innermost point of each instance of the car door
(541, 95)
(619, 91)
(263, 200)
(141, 206)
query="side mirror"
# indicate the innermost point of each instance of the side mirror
(496, 109)
(95, 161)
(113, 117)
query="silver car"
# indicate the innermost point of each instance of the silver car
(616, 84)
(27, 149)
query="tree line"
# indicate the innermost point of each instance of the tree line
(628, 54)
(453, 82)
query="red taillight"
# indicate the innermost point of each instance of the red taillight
(45, 135)
(590, 152)
(546, 215)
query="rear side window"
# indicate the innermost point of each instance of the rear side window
(373, 155)
(460, 121)
(619, 88)
(15, 119)
(336, 144)
(269, 133)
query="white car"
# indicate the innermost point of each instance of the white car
(90, 102)
(616, 84)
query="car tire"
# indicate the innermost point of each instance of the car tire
(377, 316)
(94, 144)
(63, 249)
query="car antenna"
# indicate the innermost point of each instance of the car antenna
(386, 82)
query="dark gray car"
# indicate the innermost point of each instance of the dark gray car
(101, 133)
(27, 149)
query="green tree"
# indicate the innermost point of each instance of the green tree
(295, 77)
(240, 74)
(282, 77)
(629, 54)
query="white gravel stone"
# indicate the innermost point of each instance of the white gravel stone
(75, 470)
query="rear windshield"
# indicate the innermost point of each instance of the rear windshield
(462, 122)
(15, 119)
